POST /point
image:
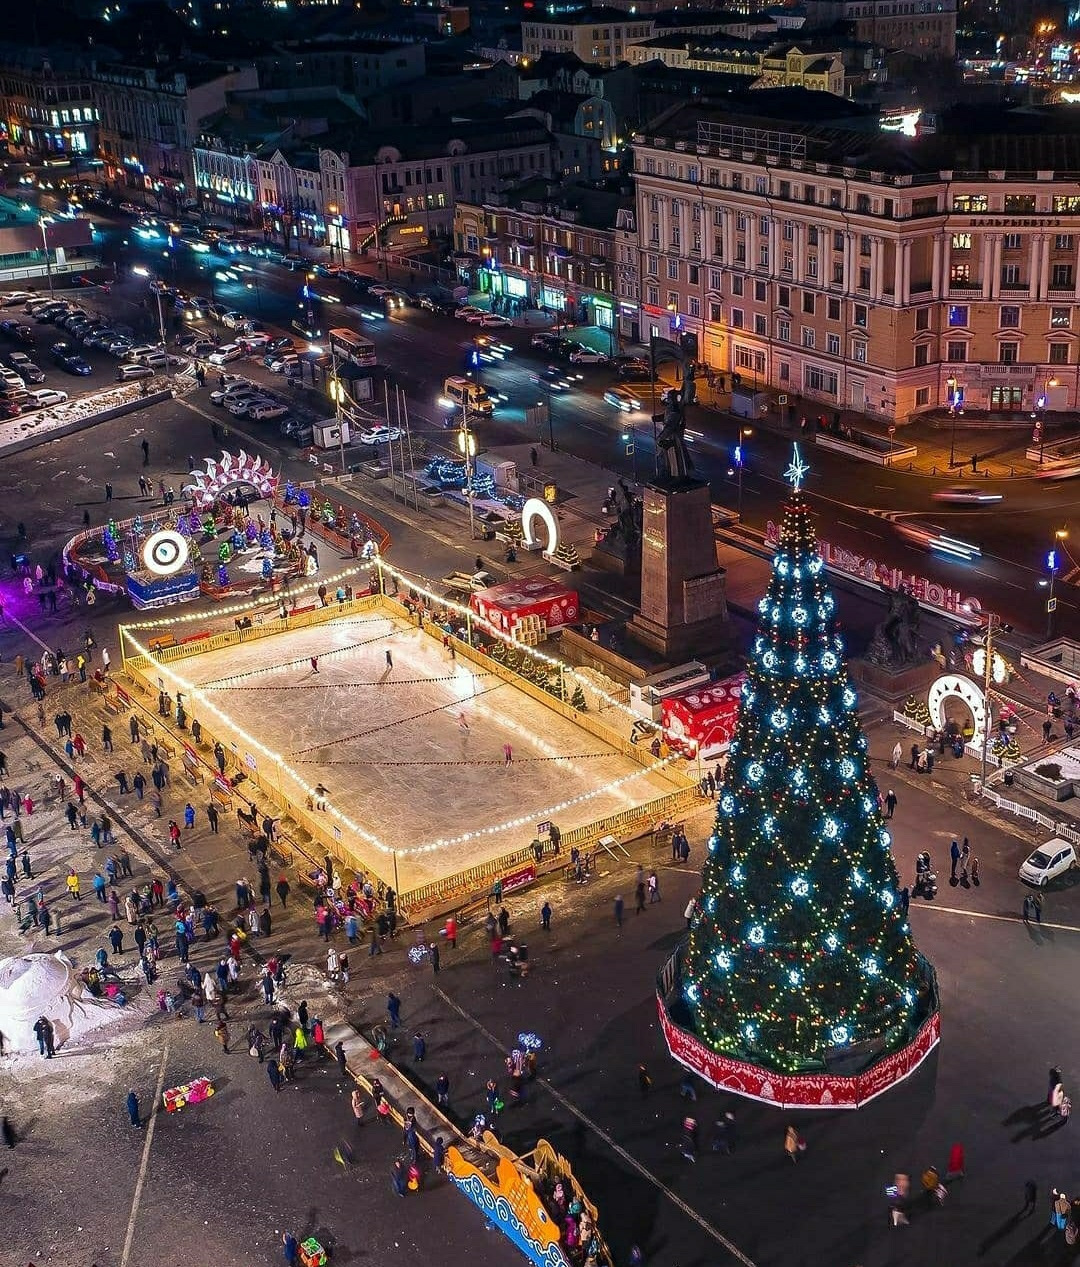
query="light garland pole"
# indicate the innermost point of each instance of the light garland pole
(988, 670)
(467, 445)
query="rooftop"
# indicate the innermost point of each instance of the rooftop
(587, 17)
(432, 140)
(974, 139)
(594, 206)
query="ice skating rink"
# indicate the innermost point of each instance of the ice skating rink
(416, 753)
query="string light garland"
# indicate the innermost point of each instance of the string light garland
(800, 944)
(199, 701)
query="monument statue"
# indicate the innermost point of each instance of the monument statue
(671, 441)
(895, 644)
(627, 516)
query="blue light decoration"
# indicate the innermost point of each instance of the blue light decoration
(530, 1041)
(303, 499)
(223, 576)
(112, 549)
(267, 569)
(266, 541)
(290, 492)
(800, 886)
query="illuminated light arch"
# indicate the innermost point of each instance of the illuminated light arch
(535, 509)
(956, 686)
(231, 471)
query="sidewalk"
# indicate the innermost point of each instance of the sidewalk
(998, 452)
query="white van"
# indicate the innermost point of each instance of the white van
(462, 393)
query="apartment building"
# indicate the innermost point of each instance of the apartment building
(150, 117)
(767, 64)
(549, 246)
(924, 28)
(47, 103)
(600, 36)
(861, 269)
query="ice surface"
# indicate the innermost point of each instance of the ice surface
(415, 754)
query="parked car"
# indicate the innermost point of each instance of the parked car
(464, 312)
(233, 383)
(283, 364)
(14, 297)
(233, 320)
(282, 344)
(255, 340)
(129, 370)
(25, 368)
(65, 355)
(267, 411)
(228, 352)
(242, 402)
(298, 430)
(587, 356)
(494, 319)
(379, 435)
(44, 397)
(545, 339)
(1056, 858)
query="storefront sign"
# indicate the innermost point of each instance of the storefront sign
(928, 593)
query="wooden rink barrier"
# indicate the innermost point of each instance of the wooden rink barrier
(310, 834)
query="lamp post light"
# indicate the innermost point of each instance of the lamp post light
(951, 384)
(337, 395)
(1052, 564)
(467, 446)
(738, 461)
(45, 248)
(139, 271)
(629, 437)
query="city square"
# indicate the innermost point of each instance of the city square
(539, 635)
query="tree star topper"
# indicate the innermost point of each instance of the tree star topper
(798, 470)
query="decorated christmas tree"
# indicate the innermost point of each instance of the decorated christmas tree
(800, 954)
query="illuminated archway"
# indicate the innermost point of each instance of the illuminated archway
(231, 471)
(535, 509)
(956, 686)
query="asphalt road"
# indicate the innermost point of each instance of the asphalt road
(857, 503)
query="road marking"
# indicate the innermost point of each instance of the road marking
(1005, 919)
(8, 618)
(597, 1130)
(144, 1166)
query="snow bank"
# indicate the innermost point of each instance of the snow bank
(47, 985)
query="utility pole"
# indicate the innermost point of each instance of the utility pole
(467, 445)
(988, 672)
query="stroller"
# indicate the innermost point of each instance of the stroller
(925, 878)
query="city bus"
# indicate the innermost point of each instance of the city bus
(350, 346)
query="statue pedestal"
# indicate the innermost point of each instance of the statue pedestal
(683, 591)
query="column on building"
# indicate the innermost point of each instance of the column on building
(993, 290)
(939, 281)
(798, 253)
(877, 271)
(1039, 287)
(904, 294)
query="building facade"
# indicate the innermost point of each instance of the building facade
(546, 248)
(600, 36)
(866, 283)
(150, 118)
(47, 104)
(925, 28)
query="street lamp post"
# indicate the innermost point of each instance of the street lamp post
(337, 395)
(45, 248)
(467, 446)
(630, 440)
(951, 385)
(254, 285)
(1052, 564)
(987, 679)
(738, 458)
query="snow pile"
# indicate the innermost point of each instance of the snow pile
(47, 985)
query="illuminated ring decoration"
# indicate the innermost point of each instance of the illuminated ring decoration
(534, 509)
(165, 553)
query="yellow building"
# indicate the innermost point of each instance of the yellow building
(867, 270)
